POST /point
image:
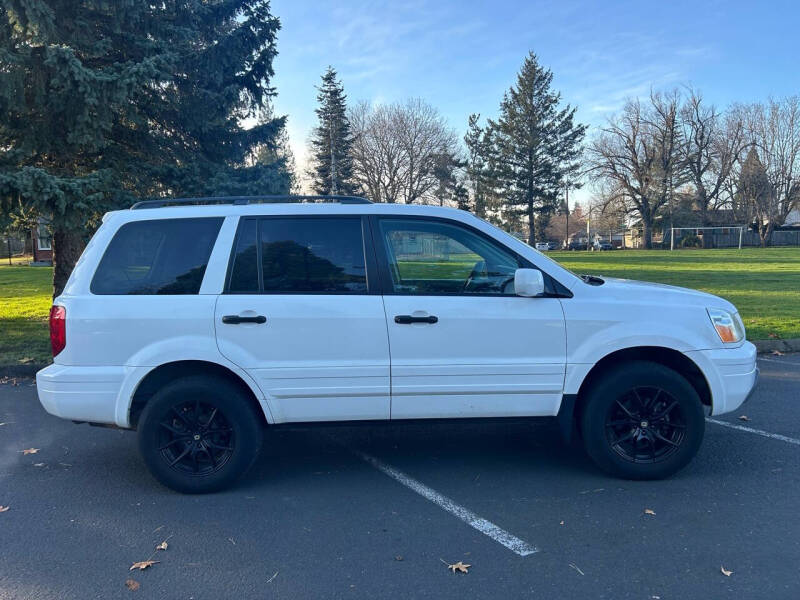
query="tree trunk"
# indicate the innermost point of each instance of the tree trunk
(765, 234)
(67, 248)
(647, 234)
(531, 226)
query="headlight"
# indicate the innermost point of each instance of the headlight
(729, 326)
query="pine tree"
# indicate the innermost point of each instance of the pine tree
(331, 140)
(537, 143)
(102, 103)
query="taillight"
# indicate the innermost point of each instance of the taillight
(58, 328)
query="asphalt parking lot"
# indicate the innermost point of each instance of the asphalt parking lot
(376, 512)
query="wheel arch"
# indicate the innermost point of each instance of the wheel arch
(162, 374)
(669, 357)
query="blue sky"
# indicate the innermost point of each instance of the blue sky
(462, 56)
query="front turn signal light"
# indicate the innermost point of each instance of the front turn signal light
(728, 325)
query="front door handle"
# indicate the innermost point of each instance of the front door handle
(408, 319)
(236, 319)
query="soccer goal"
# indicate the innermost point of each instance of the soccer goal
(726, 236)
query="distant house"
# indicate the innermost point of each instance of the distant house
(42, 242)
(793, 218)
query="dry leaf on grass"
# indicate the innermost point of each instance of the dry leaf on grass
(4, 508)
(142, 565)
(649, 511)
(132, 584)
(744, 418)
(459, 566)
(774, 336)
(725, 571)
(29, 451)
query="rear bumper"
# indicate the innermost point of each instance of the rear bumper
(80, 393)
(731, 373)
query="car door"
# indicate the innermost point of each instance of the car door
(462, 344)
(301, 312)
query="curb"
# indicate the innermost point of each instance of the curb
(765, 346)
(762, 346)
(28, 370)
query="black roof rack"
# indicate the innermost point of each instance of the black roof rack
(239, 200)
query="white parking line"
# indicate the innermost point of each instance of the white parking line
(499, 535)
(774, 436)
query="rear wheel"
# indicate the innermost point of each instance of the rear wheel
(642, 421)
(199, 434)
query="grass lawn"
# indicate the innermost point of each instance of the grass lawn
(763, 284)
(25, 295)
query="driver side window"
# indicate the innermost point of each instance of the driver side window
(434, 257)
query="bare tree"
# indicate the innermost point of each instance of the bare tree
(637, 156)
(713, 143)
(397, 148)
(773, 130)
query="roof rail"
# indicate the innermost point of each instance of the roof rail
(240, 200)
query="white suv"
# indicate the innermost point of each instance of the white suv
(201, 323)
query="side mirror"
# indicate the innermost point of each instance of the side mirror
(528, 282)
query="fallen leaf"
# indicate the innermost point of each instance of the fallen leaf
(132, 584)
(777, 353)
(726, 572)
(744, 418)
(142, 565)
(774, 336)
(562, 522)
(29, 451)
(4, 508)
(162, 545)
(649, 511)
(459, 566)
(38, 464)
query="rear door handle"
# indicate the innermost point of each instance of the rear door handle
(408, 319)
(236, 319)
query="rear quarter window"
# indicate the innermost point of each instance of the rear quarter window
(165, 256)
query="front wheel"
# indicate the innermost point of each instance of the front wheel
(199, 434)
(642, 421)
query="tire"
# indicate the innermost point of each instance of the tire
(199, 434)
(642, 420)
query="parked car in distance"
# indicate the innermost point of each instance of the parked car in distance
(543, 246)
(202, 323)
(601, 245)
(577, 245)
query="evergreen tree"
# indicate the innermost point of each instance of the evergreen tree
(102, 103)
(477, 163)
(756, 193)
(331, 140)
(538, 145)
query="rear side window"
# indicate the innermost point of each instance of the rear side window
(167, 256)
(299, 256)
